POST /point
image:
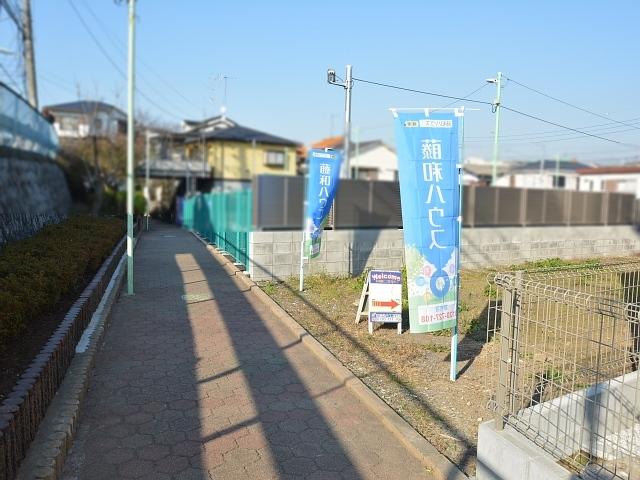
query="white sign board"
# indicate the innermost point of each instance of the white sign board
(382, 293)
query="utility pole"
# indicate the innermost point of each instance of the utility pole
(147, 195)
(557, 179)
(496, 107)
(130, 144)
(29, 57)
(357, 151)
(345, 170)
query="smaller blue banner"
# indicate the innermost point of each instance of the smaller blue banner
(324, 176)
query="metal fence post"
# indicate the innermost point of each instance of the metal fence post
(509, 342)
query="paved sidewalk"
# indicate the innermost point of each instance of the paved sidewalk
(197, 380)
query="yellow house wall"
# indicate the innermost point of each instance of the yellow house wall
(240, 161)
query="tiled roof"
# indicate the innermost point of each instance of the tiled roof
(239, 133)
(83, 106)
(609, 169)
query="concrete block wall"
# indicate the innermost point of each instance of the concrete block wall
(276, 255)
(34, 194)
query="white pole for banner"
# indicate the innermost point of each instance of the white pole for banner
(453, 375)
(301, 284)
(304, 227)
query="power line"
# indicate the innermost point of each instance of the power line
(114, 64)
(10, 77)
(466, 97)
(546, 139)
(386, 85)
(419, 91)
(567, 128)
(120, 46)
(572, 105)
(598, 128)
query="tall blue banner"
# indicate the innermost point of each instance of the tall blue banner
(324, 176)
(427, 145)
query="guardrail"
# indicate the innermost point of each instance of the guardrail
(23, 128)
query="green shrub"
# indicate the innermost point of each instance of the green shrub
(37, 272)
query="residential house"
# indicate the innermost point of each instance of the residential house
(478, 171)
(614, 178)
(370, 160)
(86, 118)
(236, 153)
(543, 174)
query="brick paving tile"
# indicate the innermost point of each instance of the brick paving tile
(196, 380)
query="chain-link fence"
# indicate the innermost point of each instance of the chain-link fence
(565, 345)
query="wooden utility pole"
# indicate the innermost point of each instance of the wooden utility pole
(29, 57)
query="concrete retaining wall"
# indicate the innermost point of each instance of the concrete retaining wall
(591, 420)
(276, 255)
(34, 193)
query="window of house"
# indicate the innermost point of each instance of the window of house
(69, 124)
(559, 181)
(274, 158)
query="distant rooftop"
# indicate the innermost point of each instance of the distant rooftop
(83, 107)
(238, 133)
(337, 143)
(550, 165)
(610, 169)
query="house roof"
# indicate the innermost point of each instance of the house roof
(337, 143)
(486, 169)
(609, 169)
(83, 106)
(550, 165)
(329, 142)
(207, 122)
(238, 133)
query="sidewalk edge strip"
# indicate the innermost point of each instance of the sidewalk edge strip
(439, 465)
(48, 451)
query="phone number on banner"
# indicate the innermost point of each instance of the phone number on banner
(436, 313)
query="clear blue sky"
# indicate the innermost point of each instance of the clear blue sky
(278, 52)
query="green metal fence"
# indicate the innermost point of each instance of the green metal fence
(223, 218)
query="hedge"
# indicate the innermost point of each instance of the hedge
(37, 272)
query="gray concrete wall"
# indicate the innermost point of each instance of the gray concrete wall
(34, 193)
(506, 454)
(276, 255)
(588, 420)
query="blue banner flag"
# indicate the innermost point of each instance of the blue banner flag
(427, 144)
(324, 176)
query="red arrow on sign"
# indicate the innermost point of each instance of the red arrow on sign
(390, 303)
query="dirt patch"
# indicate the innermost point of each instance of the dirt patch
(409, 372)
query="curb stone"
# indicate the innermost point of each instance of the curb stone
(437, 464)
(47, 453)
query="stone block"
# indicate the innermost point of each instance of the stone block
(282, 247)
(262, 260)
(334, 246)
(335, 256)
(283, 259)
(281, 237)
(262, 248)
(261, 237)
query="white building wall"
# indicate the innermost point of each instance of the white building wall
(381, 158)
(626, 182)
(535, 180)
